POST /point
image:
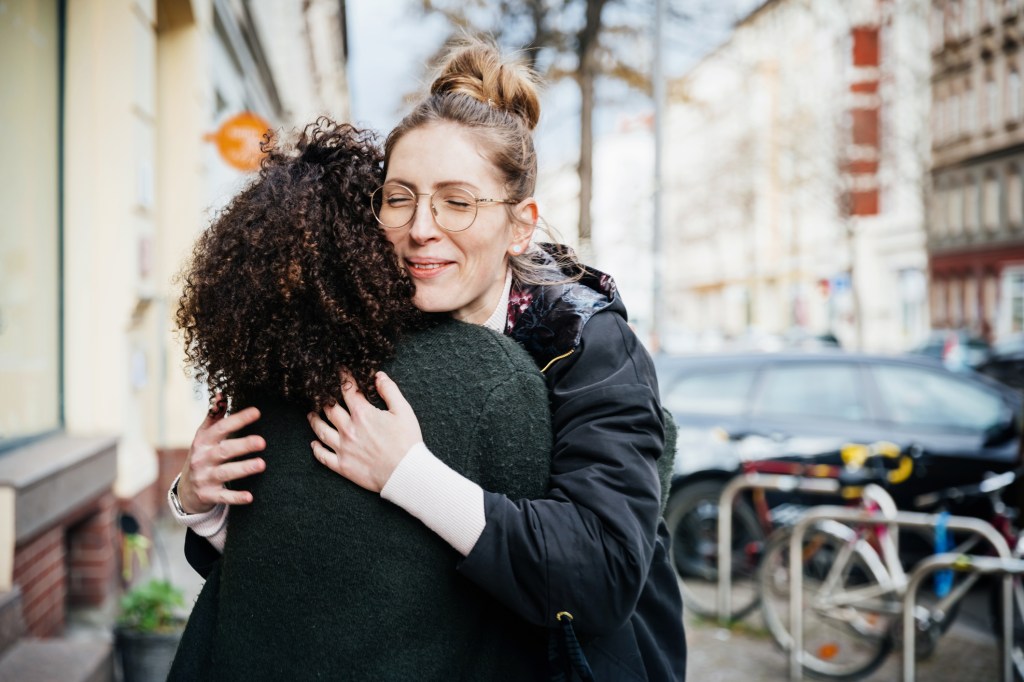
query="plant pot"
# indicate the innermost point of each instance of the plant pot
(145, 656)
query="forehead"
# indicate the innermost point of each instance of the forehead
(442, 153)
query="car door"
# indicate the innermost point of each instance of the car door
(955, 419)
(709, 402)
(807, 408)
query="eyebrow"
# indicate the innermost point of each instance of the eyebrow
(439, 185)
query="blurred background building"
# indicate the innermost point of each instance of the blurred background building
(128, 125)
(976, 216)
(794, 190)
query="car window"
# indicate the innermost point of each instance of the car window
(721, 392)
(822, 390)
(918, 396)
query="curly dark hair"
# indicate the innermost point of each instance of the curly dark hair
(294, 281)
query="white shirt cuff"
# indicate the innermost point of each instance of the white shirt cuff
(444, 500)
(212, 525)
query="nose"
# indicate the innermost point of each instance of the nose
(424, 227)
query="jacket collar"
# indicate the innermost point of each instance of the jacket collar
(548, 319)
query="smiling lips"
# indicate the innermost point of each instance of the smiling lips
(426, 269)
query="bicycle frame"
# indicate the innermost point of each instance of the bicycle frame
(860, 517)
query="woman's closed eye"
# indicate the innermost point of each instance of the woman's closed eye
(457, 204)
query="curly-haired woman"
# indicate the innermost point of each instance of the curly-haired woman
(293, 284)
(591, 556)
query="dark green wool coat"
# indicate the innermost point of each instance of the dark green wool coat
(322, 580)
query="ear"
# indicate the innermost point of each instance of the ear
(527, 214)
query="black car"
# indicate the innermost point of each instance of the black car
(736, 408)
(1006, 362)
(958, 349)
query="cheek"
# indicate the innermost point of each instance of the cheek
(393, 236)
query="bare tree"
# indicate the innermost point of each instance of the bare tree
(568, 39)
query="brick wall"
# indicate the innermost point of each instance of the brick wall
(40, 571)
(92, 555)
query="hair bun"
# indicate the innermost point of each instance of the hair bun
(479, 70)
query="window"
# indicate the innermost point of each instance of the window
(1011, 313)
(822, 390)
(940, 210)
(955, 222)
(917, 396)
(720, 393)
(29, 193)
(1013, 94)
(991, 103)
(970, 116)
(1014, 203)
(953, 117)
(973, 200)
(938, 27)
(990, 204)
(969, 17)
(991, 12)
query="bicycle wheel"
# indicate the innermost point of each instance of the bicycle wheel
(692, 518)
(847, 613)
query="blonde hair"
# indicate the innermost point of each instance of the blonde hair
(497, 99)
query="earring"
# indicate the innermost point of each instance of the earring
(517, 249)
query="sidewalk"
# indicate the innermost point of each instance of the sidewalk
(746, 653)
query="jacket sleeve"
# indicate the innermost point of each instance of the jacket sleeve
(200, 554)
(586, 547)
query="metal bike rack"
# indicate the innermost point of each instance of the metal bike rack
(860, 516)
(961, 563)
(783, 482)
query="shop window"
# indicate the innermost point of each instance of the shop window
(29, 240)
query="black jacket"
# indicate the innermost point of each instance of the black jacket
(596, 546)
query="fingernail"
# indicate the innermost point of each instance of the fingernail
(382, 375)
(218, 407)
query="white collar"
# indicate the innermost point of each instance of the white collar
(499, 317)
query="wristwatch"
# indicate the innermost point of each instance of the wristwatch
(172, 495)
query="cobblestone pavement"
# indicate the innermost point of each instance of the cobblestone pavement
(967, 653)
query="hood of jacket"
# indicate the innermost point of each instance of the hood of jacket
(548, 319)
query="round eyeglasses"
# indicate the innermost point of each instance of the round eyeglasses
(454, 208)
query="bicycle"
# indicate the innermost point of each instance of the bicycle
(692, 516)
(854, 580)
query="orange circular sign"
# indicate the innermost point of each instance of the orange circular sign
(238, 140)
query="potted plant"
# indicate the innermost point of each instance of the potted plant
(151, 619)
(148, 630)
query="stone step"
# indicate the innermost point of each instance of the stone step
(42, 660)
(12, 623)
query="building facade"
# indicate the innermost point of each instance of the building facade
(110, 176)
(976, 211)
(795, 179)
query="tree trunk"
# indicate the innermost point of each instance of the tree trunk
(586, 52)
